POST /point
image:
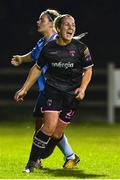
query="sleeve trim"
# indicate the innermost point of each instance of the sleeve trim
(38, 66)
(88, 66)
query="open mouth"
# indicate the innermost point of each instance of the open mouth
(69, 33)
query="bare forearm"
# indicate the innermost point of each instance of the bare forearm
(33, 75)
(86, 78)
(26, 58)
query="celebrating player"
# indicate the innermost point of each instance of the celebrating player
(45, 27)
(68, 75)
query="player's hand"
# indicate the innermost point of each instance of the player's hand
(19, 95)
(16, 60)
(80, 93)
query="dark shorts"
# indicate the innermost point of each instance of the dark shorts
(64, 103)
(37, 112)
(67, 115)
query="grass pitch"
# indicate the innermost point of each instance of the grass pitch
(98, 146)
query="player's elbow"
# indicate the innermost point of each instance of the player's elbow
(35, 71)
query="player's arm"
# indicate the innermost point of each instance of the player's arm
(33, 75)
(85, 81)
(86, 78)
(19, 59)
(87, 69)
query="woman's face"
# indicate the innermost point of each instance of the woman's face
(43, 23)
(67, 28)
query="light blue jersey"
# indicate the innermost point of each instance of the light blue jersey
(35, 55)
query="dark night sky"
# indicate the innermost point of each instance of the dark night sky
(100, 18)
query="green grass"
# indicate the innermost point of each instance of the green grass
(98, 146)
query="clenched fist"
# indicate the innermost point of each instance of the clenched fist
(19, 95)
(80, 93)
(16, 60)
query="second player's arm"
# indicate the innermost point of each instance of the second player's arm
(19, 59)
(26, 58)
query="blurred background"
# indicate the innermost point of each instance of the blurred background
(18, 35)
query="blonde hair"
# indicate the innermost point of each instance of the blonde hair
(51, 13)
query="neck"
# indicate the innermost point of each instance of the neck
(48, 34)
(62, 42)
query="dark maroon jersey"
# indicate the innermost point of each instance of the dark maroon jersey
(65, 64)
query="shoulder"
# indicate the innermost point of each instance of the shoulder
(47, 47)
(79, 43)
(50, 44)
(41, 40)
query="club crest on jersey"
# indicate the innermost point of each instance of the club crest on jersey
(72, 53)
(49, 102)
(87, 55)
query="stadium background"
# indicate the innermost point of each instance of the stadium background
(18, 35)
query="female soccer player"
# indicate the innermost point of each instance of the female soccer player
(45, 27)
(68, 75)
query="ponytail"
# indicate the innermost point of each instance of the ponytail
(80, 36)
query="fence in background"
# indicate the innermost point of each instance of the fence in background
(113, 91)
(13, 78)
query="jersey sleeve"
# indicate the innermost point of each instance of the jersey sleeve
(36, 50)
(42, 60)
(86, 58)
(33, 54)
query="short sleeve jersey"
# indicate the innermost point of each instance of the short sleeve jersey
(65, 64)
